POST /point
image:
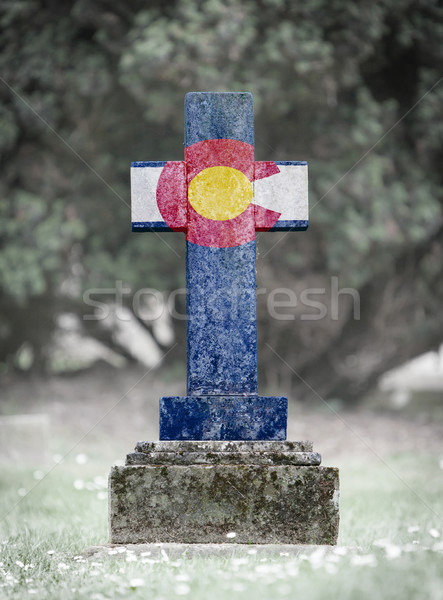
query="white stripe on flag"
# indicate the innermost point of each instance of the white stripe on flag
(285, 192)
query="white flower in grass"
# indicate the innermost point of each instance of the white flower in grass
(332, 558)
(392, 552)
(112, 551)
(131, 558)
(50, 552)
(413, 528)
(165, 557)
(38, 475)
(261, 569)
(19, 564)
(292, 569)
(182, 577)
(81, 459)
(145, 554)
(79, 484)
(252, 551)
(434, 533)
(340, 550)
(176, 563)
(366, 560)
(32, 591)
(62, 566)
(317, 558)
(136, 582)
(57, 458)
(331, 568)
(102, 495)
(231, 535)
(182, 589)
(21, 492)
(121, 550)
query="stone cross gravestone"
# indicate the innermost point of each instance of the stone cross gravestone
(222, 463)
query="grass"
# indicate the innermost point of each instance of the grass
(385, 547)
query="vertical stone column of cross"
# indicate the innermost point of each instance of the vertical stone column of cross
(222, 401)
(221, 283)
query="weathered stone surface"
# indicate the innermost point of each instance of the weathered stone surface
(223, 452)
(223, 418)
(201, 504)
(223, 446)
(217, 458)
(220, 115)
(222, 316)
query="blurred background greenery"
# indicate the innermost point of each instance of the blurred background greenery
(351, 87)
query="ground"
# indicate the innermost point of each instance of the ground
(53, 499)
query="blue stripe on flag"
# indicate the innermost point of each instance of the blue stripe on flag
(290, 226)
(149, 163)
(150, 226)
(293, 163)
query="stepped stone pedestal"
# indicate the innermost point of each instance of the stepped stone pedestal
(265, 492)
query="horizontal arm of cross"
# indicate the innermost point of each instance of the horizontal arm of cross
(159, 201)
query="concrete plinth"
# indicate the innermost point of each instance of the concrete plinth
(198, 492)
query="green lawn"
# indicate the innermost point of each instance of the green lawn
(389, 543)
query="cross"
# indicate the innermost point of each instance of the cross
(219, 197)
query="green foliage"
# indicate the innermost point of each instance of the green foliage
(37, 236)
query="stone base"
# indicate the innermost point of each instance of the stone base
(199, 492)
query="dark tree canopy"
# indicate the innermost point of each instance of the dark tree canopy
(87, 87)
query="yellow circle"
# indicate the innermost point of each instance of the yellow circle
(220, 193)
